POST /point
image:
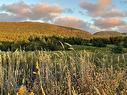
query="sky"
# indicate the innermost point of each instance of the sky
(88, 15)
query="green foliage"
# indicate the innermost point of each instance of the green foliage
(43, 43)
(5, 46)
(99, 42)
(117, 49)
(54, 43)
(125, 42)
(116, 40)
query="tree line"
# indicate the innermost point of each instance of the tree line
(43, 43)
(56, 43)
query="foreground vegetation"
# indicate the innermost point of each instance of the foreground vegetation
(62, 73)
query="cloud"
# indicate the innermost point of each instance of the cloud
(68, 10)
(45, 12)
(112, 22)
(105, 15)
(96, 9)
(102, 4)
(115, 13)
(90, 7)
(38, 11)
(71, 21)
(17, 8)
(45, 8)
(123, 28)
(5, 17)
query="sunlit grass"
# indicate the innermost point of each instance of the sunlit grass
(62, 73)
(18, 31)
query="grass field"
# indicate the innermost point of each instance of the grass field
(63, 73)
(83, 69)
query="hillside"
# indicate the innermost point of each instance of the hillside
(107, 34)
(14, 31)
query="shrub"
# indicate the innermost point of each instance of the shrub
(99, 42)
(5, 46)
(125, 42)
(116, 40)
(117, 49)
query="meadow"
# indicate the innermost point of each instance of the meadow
(62, 73)
(35, 62)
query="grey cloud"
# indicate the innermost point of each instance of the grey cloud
(104, 23)
(71, 21)
(4, 17)
(38, 11)
(115, 13)
(96, 9)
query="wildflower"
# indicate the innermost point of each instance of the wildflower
(31, 93)
(22, 90)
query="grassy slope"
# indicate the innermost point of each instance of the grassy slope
(105, 34)
(13, 31)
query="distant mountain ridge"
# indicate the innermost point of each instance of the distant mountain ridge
(17, 31)
(105, 34)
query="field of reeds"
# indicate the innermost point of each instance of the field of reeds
(62, 73)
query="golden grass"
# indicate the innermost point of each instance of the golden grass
(107, 34)
(63, 73)
(16, 31)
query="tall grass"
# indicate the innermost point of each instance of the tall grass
(62, 73)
